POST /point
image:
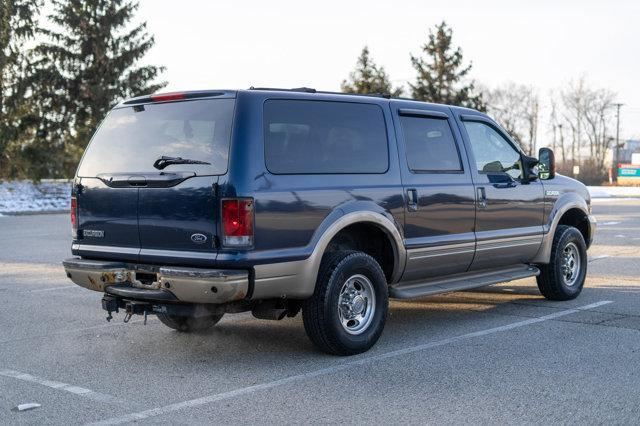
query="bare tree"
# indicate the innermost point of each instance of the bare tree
(597, 113)
(572, 98)
(516, 107)
(581, 120)
(588, 113)
(556, 123)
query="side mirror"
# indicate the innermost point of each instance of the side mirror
(547, 164)
(529, 172)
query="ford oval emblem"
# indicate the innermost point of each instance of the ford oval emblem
(199, 238)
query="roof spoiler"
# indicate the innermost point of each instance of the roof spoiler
(174, 96)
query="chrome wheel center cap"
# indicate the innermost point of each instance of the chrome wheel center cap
(358, 304)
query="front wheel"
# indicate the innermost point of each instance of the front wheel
(564, 276)
(347, 312)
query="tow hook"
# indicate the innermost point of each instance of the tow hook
(136, 308)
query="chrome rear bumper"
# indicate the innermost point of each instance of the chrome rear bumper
(168, 283)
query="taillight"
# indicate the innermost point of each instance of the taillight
(164, 97)
(237, 222)
(74, 217)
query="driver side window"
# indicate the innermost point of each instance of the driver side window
(493, 153)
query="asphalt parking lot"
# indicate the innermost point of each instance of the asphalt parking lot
(500, 354)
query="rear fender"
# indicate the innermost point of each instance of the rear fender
(297, 279)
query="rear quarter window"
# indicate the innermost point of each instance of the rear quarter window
(324, 137)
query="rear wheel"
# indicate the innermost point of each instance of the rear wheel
(564, 276)
(347, 312)
(187, 324)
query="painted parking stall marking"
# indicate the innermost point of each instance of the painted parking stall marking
(76, 390)
(159, 411)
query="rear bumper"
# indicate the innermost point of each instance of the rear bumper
(170, 284)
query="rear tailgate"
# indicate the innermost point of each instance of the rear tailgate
(177, 225)
(107, 221)
(133, 207)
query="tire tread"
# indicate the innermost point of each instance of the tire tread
(549, 282)
(314, 312)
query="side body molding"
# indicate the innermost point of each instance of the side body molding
(563, 204)
(297, 279)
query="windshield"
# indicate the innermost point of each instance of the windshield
(131, 139)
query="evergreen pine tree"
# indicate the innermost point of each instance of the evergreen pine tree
(18, 19)
(89, 63)
(369, 78)
(442, 77)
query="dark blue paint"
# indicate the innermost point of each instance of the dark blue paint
(291, 211)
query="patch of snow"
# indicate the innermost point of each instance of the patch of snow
(614, 191)
(27, 197)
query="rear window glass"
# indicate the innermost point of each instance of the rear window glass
(306, 137)
(430, 144)
(131, 139)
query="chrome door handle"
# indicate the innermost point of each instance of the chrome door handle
(482, 198)
(412, 200)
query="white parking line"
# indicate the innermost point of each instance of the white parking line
(330, 370)
(602, 256)
(76, 390)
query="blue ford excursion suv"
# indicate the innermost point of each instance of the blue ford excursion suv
(193, 205)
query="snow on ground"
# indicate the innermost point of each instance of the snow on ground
(614, 191)
(53, 195)
(27, 197)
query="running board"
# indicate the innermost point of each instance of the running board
(461, 282)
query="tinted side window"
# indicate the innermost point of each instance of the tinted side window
(493, 153)
(305, 137)
(430, 144)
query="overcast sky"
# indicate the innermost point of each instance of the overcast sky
(237, 44)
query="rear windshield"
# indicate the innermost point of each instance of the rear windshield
(308, 137)
(131, 139)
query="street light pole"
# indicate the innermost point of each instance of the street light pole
(615, 156)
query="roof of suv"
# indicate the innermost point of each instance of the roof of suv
(195, 94)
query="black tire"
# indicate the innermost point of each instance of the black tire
(322, 316)
(552, 281)
(187, 324)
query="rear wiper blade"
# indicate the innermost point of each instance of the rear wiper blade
(165, 161)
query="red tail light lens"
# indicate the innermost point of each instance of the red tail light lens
(237, 222)
(74, 217)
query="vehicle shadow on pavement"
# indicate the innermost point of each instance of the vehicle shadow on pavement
(410, 322)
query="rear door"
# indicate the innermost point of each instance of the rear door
(133, 206)
(439, 193)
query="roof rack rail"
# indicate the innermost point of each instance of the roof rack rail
(296, 89)
(311, 90)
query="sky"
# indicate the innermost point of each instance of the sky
(237, 44)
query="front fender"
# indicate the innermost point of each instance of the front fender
(563, 204)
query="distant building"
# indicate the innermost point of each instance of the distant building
(625, 153)
(629, 161)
